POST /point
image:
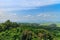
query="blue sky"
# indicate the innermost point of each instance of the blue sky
(30, 10)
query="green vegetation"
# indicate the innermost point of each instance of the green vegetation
(28, 31)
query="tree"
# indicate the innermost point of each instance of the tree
(27, 35)
(8, 23)
(53, 25)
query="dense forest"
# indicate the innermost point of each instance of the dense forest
(28, 31)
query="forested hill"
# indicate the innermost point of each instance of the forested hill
(28, 31)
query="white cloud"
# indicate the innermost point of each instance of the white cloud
(8, 16)
(27, 16)
(4, 15)
(46, 16)
(25, 4)
(40, 16)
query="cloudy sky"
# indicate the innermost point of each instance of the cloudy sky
(30, 10)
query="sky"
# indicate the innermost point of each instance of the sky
(30, 10)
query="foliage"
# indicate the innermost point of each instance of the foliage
(28, 31)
